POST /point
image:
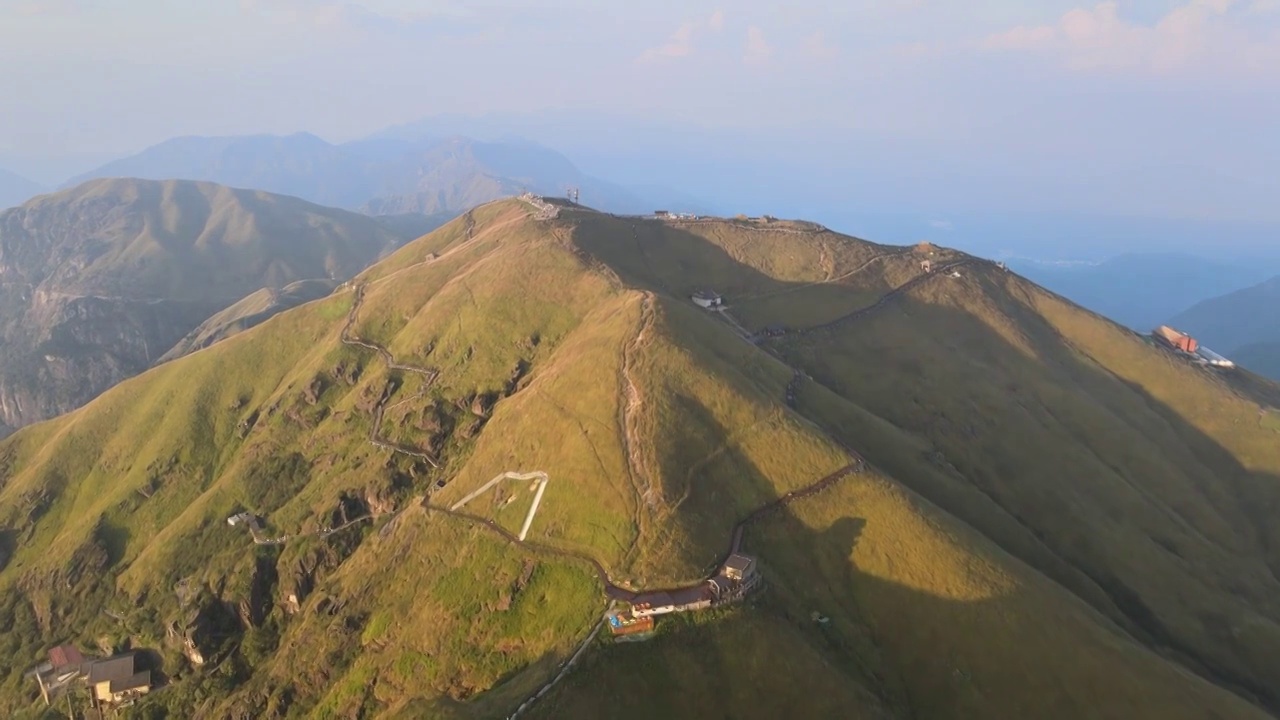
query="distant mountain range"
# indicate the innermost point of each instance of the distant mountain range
(15, 189)
(383, 174)
(1143, 290)
(98, 282)
(1244, 324)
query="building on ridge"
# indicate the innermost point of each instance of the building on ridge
(707, 299)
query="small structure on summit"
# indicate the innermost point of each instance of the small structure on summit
(1175, 339)
(926, 266)
(707, 299)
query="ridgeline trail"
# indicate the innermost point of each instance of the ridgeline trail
(544, 210)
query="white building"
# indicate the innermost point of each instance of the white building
(707, 299)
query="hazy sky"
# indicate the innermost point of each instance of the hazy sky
(1171, 106)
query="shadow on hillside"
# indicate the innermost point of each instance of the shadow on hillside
(876, 648)
(996, 426)
(1044, 455)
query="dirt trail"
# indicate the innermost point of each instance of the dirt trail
(636, 466)
(883, 299)
(829, 280)
(637, 470)
(429, 376)
(617, 592)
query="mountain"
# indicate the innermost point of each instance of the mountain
(15, 189)
(301, 164)
(97, 282)
(1262, 358)
(1142, 290)
(967, 497)
(1233, 321)
(381, 175)
(255, 308)
(414, 225)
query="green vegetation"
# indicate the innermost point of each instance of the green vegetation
(253, 309)
(117, 275)
(1058, 519)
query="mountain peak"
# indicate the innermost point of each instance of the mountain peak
(99, 280)
(452, 465)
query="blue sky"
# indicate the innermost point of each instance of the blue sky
(1154, 106)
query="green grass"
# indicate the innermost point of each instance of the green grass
(1270, 420)
(1052, 503)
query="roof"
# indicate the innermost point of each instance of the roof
(133, 682)
(64, 655)
(707, 295)
(739, 562)
(113, 669)
(678, 597)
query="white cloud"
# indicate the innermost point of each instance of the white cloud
(1196, 33)
(1020, 38)
(816, 46)
(716, 22)
(758, 50)
(680, 44)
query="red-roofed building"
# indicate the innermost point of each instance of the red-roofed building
(64, 656)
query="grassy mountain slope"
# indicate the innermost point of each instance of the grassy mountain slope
(98, 281)
(254, 308)
(1235, 320)
(1083, 560)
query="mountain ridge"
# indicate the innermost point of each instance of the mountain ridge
(97, 282)
(379, 175)
(15, 189)
(995, 554)
(1237, 319)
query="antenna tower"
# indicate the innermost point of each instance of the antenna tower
(573, 195)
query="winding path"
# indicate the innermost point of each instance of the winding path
(843, 276)
(255, 530)
(429, 376)
(613, 591)
(883, 299)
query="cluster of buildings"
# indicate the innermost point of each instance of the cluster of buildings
(1184, 344)
(112, 682)
(737, 577)
(668, 215)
